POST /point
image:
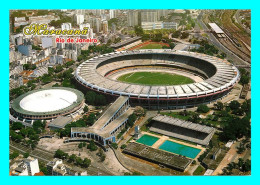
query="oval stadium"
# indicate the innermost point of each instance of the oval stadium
(46, 104)
(187, 78)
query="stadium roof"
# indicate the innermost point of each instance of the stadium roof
(48, 101)
(177, 128)
(125, 42)
(183, 123)
(89, 74)
(216, 28)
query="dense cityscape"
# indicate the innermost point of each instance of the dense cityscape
(130, 92)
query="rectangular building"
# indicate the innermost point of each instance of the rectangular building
(158, 156)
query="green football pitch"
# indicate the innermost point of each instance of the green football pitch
(154, 78)
(152, 46)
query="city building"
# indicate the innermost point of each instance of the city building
(79, 19)
(132, 18)
(152, 25)
(111, 14)
(58, 168)
(96, 25)
(105, 129)
(105, 27)
(25, 49)
(113, 29)
(40, 71)
(56, 59)
(45, 19)
(170, 25)
(159, 25)
(149, 16)
(162, 13)
(47, 42)
(26, 167)
(65, 26)
(20, 21)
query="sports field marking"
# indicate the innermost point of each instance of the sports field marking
(154, 78)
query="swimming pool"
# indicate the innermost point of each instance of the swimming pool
(180, 149)
(147, 140)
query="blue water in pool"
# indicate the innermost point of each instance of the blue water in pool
(180, 149)
(147, 140)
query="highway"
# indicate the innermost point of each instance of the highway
(230, 55)
(46, 156)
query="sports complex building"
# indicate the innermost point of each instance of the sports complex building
(105, 129)
(46, 104)
(182, 129)
(212, 77)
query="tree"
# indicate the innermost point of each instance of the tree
(92, 146)
(234, 105)
(244, 79)
(172, 45)
(46, 78)
(241, 148)
(80, 145)
(85, 109)
(114, 145)
(184, 113)
(139, 111)
(131, 120)
(58, 68)
(91, 119)
(100, 100)
(60, 154)
(72, 158)
(79, 161)
(203, 108)
(123, 146)
(14, 154)
(246, 166)
(139, 30)
(86, 162)
(246, 106)
(39, 125)
(238, 111)
(90, 97)
(184, 35)
(101, 155)
(176, 34)
(195, 118)
(17, 126)
(26, 155)
(219, 105)
(235, 128)
(24, 132)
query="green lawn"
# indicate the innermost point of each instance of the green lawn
(154, 78)
(199, 171)
(175, 115)
(152, 46)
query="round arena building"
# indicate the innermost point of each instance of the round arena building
(47, 104)
(185, 79)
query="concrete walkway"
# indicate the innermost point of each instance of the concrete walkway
(160, 141)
